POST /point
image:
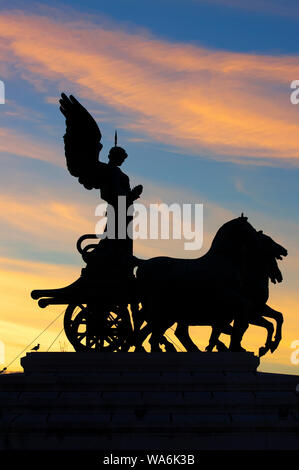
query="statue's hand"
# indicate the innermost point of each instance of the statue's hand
(136, 191)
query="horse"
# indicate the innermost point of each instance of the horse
(261, 268)
(217, 273)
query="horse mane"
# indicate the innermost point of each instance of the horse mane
(224, 235)
(264, 261)
(274, 273)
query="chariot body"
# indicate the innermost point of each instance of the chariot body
(98, 316)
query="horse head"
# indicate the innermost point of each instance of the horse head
(270, 247)
(269, 253)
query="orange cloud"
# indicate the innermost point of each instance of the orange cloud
(48, 223)
(15, 143)
(55, 221)
(217, 103)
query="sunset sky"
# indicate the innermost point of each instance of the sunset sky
(199, 91)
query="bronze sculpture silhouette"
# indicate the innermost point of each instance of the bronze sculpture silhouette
(228, 284)
(82, 143)
(243, 292)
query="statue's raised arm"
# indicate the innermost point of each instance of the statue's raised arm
(82, 143)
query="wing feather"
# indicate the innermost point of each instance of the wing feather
(82, 142)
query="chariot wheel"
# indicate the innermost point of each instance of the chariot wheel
(90, 327)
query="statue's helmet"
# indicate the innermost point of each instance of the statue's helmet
(117, 154)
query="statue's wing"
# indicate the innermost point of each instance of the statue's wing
(81, 142)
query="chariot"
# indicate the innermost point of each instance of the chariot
(98, 316)
(230, 283)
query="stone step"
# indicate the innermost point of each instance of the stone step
(163, 401)
(130, 420)
(138, 362)
(258, 401)
(249, 381)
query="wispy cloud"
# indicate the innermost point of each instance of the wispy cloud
(15, 110)
(218, 104)
(42, 225)
(24, 145)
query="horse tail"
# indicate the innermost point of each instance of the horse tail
(136, 264)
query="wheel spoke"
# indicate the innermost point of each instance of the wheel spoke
(102, 329)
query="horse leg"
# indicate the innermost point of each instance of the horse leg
(278, 317)
(140, 336)
(227, 329)
(169, 347)
(137, 316)
(158, 329)
(270, 330)
(214, 338)
(182, 334)
(154, 339)
(240, 326)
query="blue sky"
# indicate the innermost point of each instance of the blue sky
(200, 94)
(260, 26)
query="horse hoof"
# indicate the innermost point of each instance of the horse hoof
(170, 349)
(273, 348)
(221, 347)
(156, 350)
(262, 351)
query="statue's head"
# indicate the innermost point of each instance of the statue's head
(117, 155)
